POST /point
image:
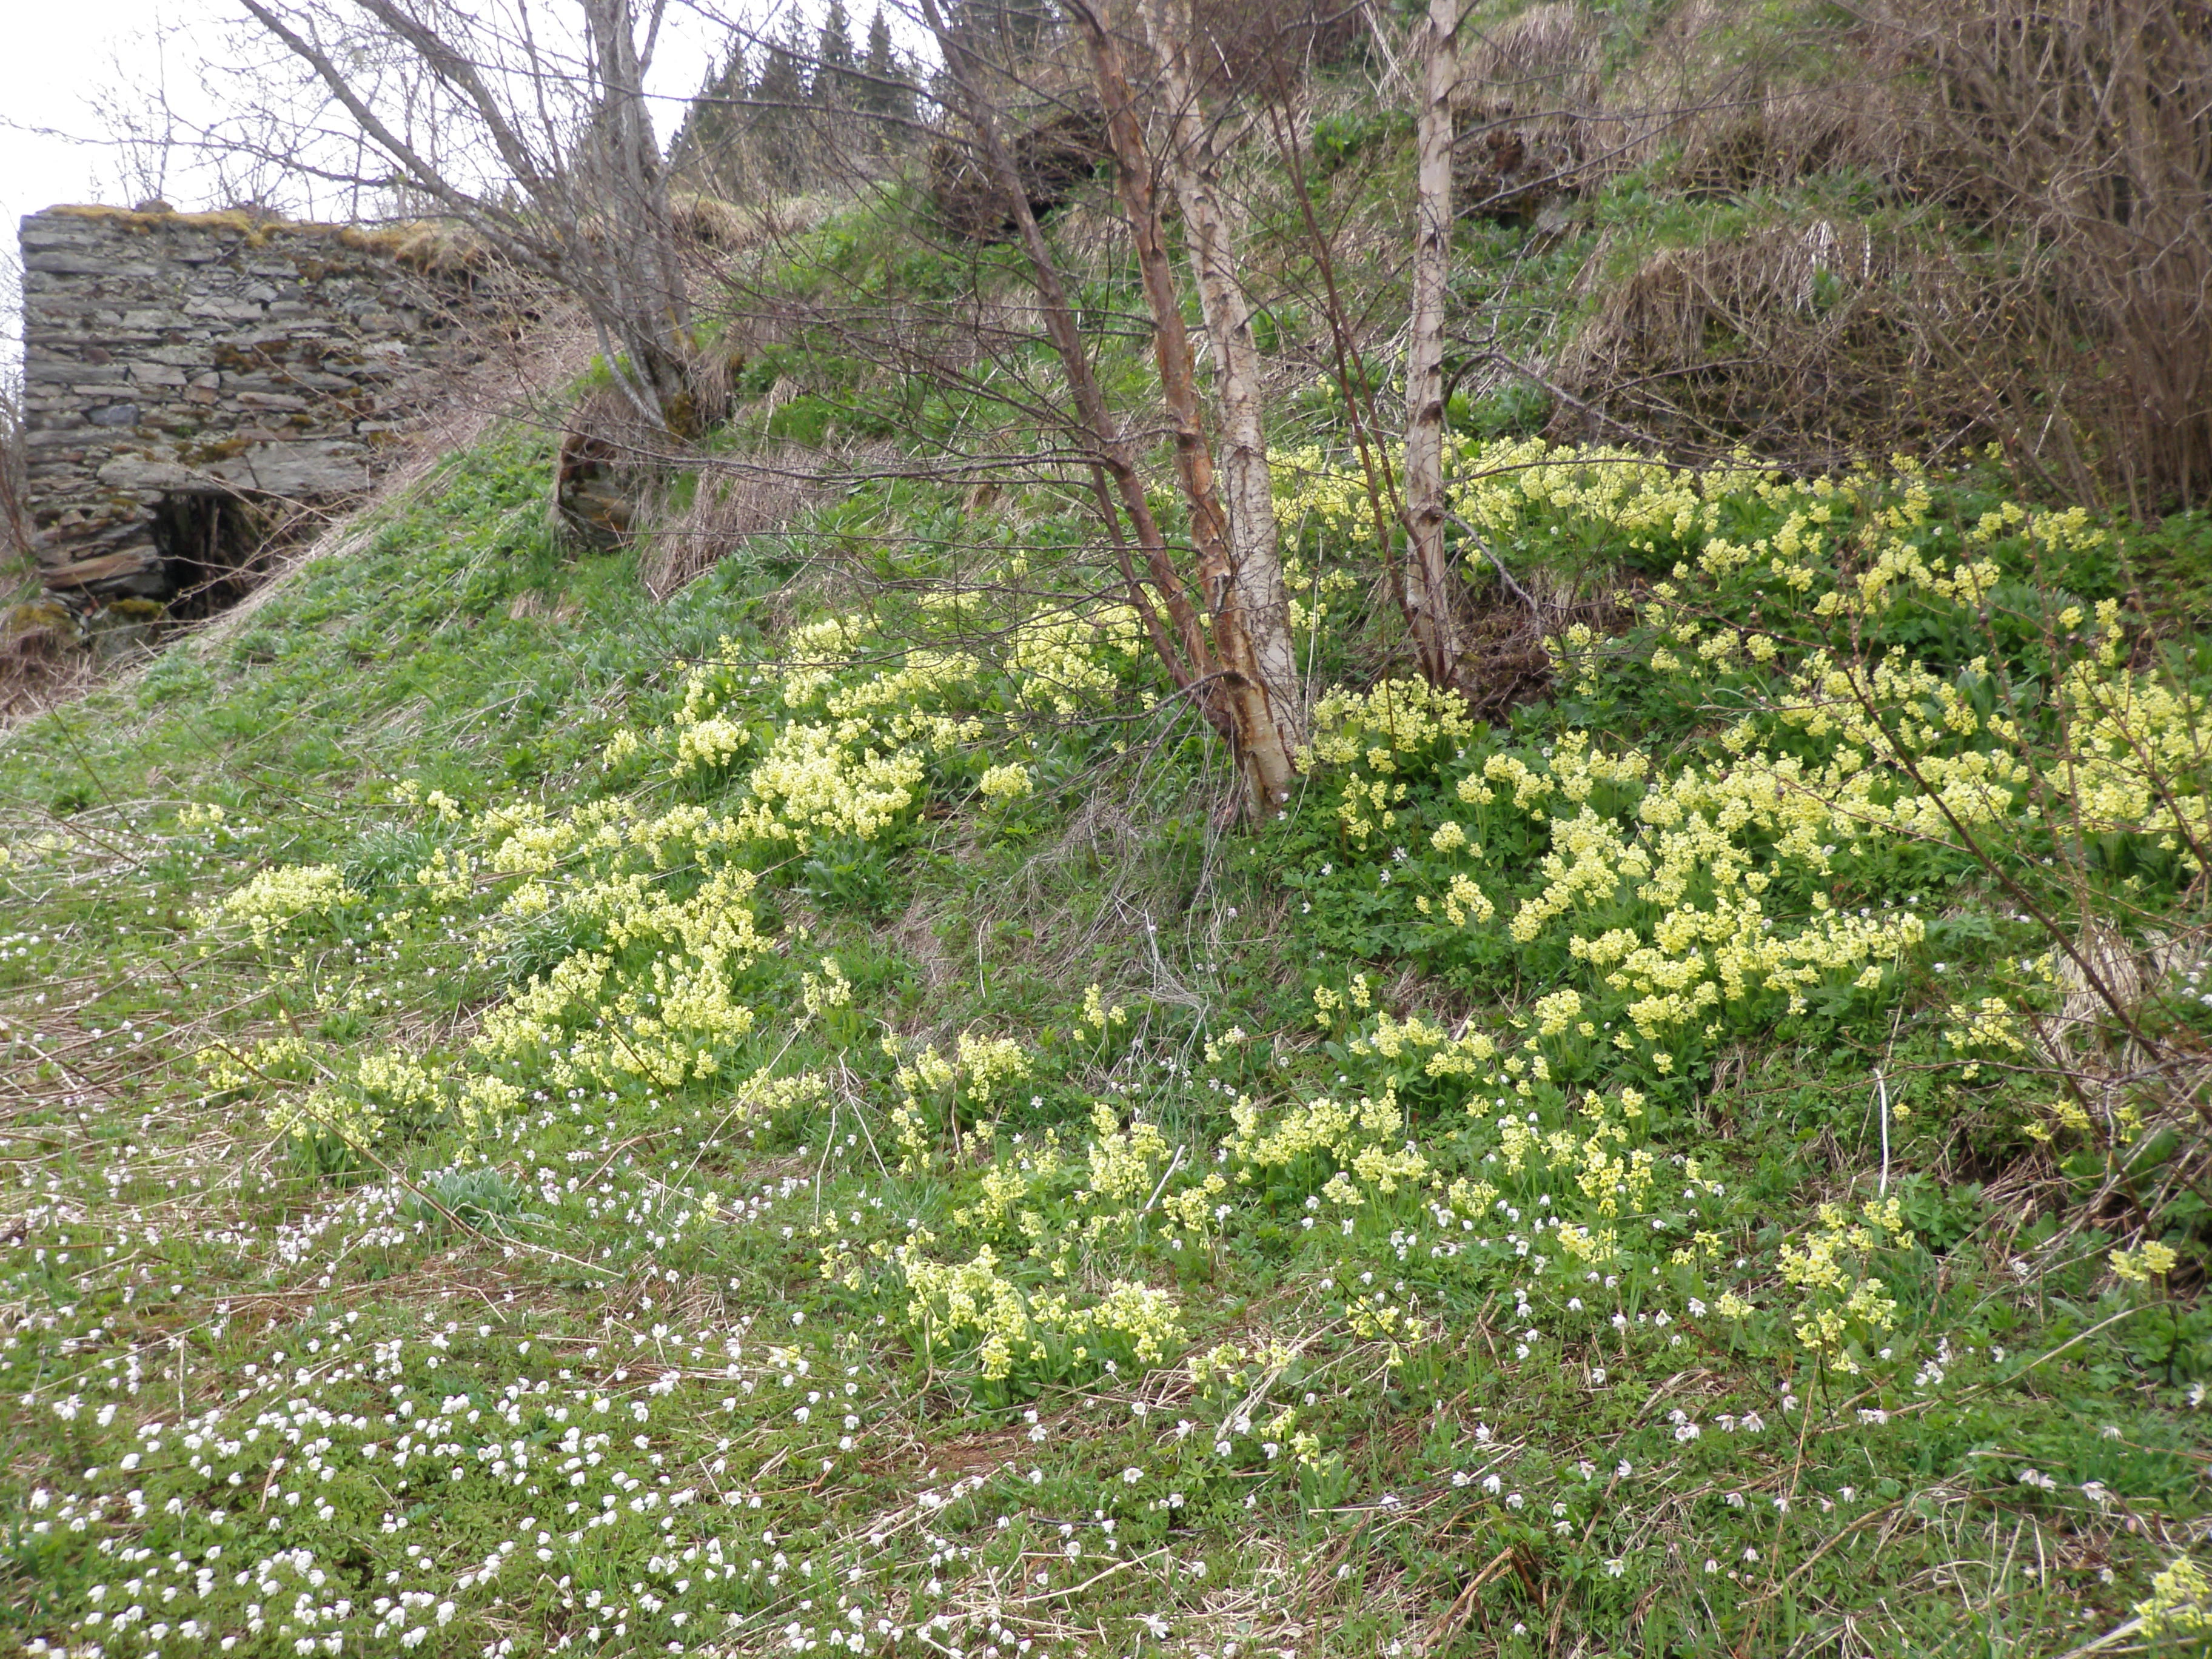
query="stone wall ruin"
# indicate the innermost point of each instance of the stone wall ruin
(186, 374)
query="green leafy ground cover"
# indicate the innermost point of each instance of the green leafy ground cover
(780, 1123)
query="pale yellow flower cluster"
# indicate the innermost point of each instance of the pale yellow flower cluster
(1010, 1323)
(276, 898)
(934, 1084)
(2180, 1602)
(2139, 752)
(1069, 661)
(1840, 1299)
(839, 747)
(1662, 891)
(2152, 1259)
(675, 1019)
(1375, 735)
(1501, 488)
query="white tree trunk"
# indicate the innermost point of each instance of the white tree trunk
(1255, 556)
(1427, 574)
(1269, 762)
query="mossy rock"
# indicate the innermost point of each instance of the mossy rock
(125, 626)
(40, 619)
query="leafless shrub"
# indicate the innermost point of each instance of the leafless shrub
(532, 130)
(729, 505)
(2079, 130)
(1812, 341)
(15, 508)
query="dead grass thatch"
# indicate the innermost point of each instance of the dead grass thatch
(1813, 340)
(734, 501)
(1527, 110)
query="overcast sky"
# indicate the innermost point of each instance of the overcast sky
(57, 52)
(60, 54)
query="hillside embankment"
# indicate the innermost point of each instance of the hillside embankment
(730, 1079)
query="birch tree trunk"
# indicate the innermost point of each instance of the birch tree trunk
(1179, 639)
(1254, 550)
(1264, 758)
(1427, 574)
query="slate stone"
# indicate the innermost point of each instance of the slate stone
(252, 357)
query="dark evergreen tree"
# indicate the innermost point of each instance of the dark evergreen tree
(1003, 29)
(833, 59)
(887, 89)
(783, 65)
(706, 150)
(779, 123)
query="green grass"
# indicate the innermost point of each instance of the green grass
(628, 1352)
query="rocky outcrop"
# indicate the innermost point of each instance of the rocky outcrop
(224, 356)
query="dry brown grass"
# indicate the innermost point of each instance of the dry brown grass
(2080, 132)
(41, 664)
(1812, 340)
(1734, 107)
(2068, 138)
(1527, 110)
(735, 500)
(1729, 108)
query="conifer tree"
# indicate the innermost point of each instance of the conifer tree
(779, 123)
(706, 149)
(833, 59)
(887, 90)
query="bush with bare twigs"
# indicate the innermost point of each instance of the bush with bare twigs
(1814, 338)
(2079, 131)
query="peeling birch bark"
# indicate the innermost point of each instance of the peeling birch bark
(1255, 547)
(1266, 759)
(1427, 573)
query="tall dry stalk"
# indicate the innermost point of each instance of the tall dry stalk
(15, 508)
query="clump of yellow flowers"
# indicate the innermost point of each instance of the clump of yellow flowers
(1648, 906)
(1840, 1302)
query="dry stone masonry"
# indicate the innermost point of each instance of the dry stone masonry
(180, 369)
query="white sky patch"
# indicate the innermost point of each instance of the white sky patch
(65, 57)
(59, 52)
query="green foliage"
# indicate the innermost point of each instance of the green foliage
(1338, 139)
(805, 1082)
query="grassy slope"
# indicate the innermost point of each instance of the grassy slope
(673, 1302)
(177, 1260)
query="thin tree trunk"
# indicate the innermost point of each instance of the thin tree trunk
(1427, 574)
(1255, 549)
(1265, 759)
(643, 263)
(1185, 651)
